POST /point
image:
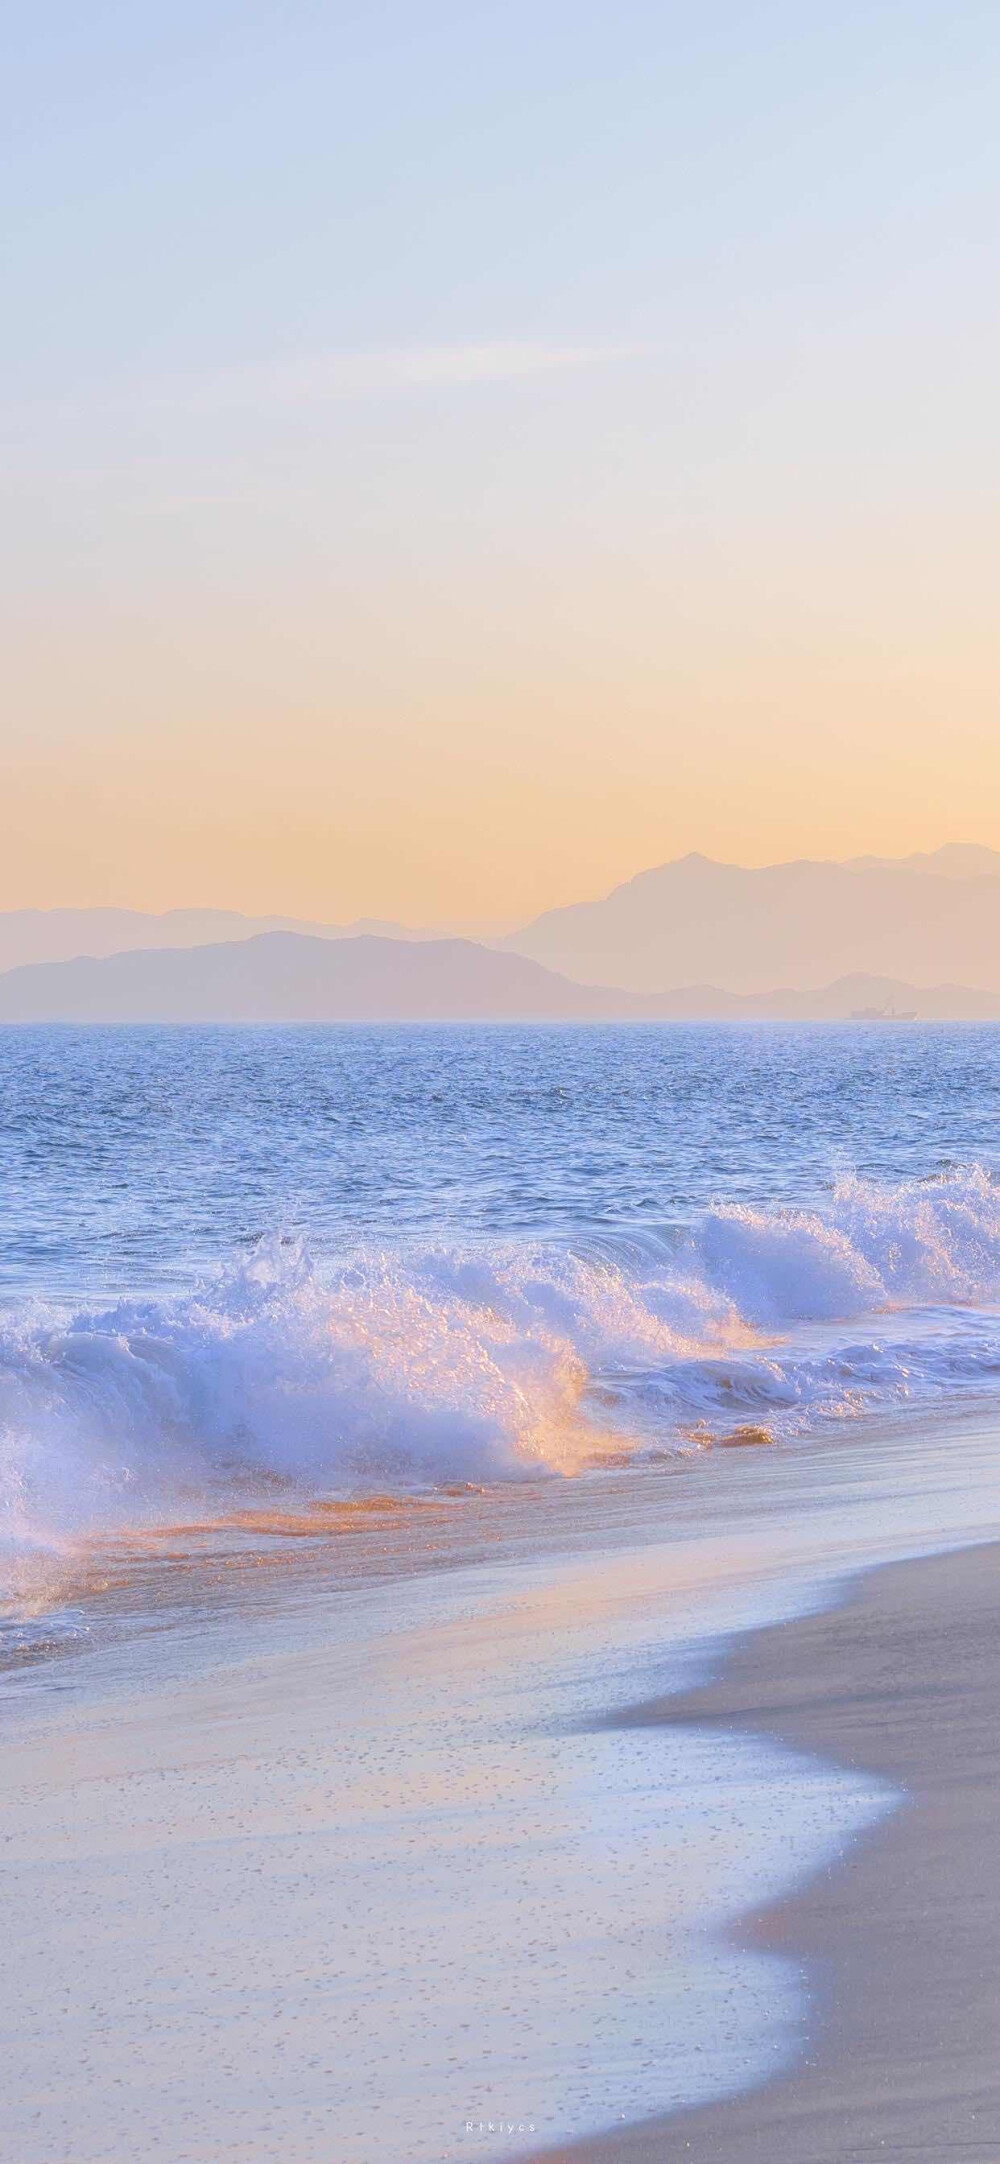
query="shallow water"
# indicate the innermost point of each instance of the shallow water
(350, 1864)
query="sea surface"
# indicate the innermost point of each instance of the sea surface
(304, 1264)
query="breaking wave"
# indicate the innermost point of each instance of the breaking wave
(411, 1369)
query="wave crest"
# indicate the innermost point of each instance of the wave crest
(404, 1369)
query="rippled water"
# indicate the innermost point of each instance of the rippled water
(133, 1159)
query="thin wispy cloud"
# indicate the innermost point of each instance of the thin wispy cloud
(321, 378)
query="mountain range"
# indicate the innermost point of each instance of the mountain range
(292, 977)
(801, 924)
(57, 935)
(692, 938)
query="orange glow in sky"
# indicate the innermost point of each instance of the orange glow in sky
(457, 463)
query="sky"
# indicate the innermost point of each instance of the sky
(457, 455)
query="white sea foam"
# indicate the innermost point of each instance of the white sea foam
(413, 1368)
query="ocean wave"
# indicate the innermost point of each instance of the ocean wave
(402, 1370)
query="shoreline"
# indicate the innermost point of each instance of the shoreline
(897, 1938)
(261, 1844)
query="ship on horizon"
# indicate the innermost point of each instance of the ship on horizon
(888, 1013)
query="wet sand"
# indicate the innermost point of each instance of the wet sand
(899, 1942)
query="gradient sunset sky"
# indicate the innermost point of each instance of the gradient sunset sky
(458, 455)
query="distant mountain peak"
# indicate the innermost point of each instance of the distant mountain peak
(931, 918)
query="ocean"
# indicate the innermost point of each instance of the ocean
(323, 1263)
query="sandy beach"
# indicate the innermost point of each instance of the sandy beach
(340, 1865)
(899, 1941)
(325, 1878)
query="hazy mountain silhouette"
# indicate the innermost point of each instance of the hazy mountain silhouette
(919, 920)
(59, 935)
(838, 1002)
(291, 977)
(957, 860)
